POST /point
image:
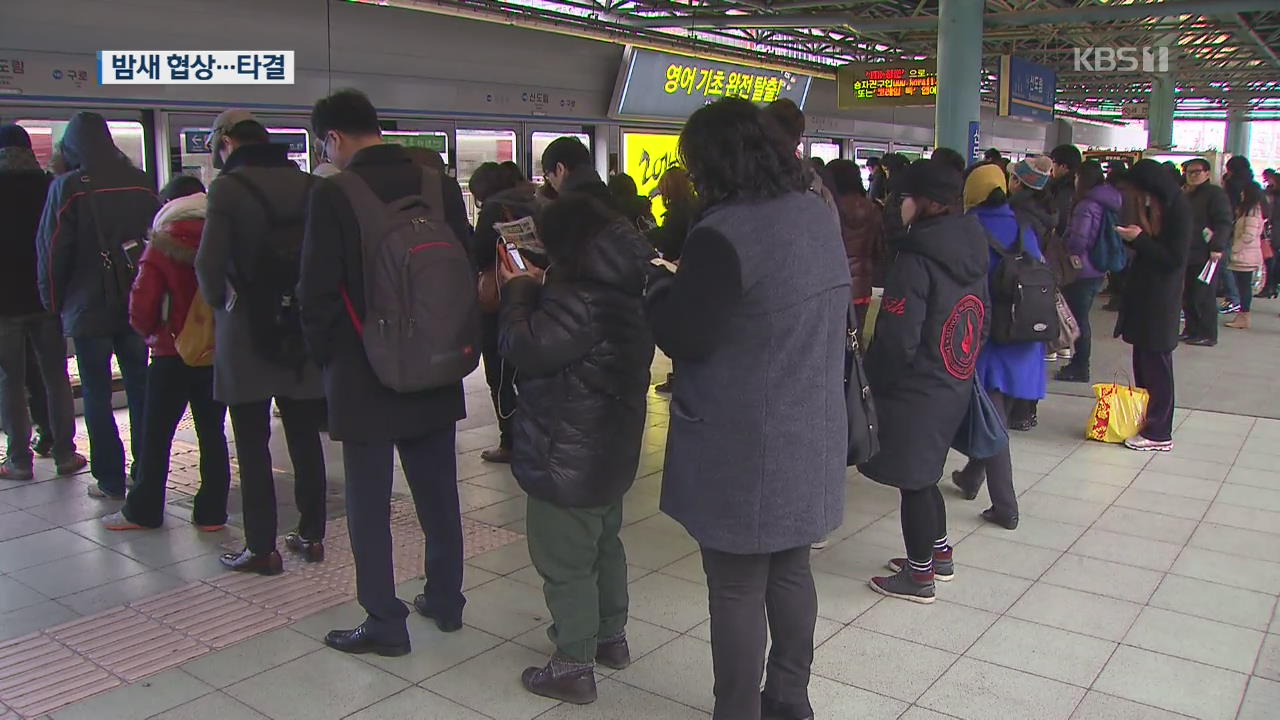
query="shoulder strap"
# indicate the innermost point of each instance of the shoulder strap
(995, 245)
(433, 193)
(94, 218)
(258, 196)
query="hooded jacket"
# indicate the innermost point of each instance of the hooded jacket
(582, 348)
(23, 187)
(932, 325)
(70, 264)
(1014, 369)
(1154, 281)
(1032, 210)
(1085, 226)
(1062, 191)
(167, 274)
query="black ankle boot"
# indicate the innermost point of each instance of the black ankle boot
(563, 680)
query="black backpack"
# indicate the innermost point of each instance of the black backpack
(269, 288)
(1023, 296)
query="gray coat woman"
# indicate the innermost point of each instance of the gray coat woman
(755, 322)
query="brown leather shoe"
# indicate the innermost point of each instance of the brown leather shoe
(311, 550)
(562, 680)
(246, 561)
(614, 653)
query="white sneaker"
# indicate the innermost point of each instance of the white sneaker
(1065, 354)
(1051, 357)
(821, 544)
(1141, 444)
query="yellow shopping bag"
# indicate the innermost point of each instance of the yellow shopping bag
(1119, 414)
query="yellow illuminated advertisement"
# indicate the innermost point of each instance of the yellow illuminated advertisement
(645, 156)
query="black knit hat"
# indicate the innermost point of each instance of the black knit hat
(14, 136)
(934, 179)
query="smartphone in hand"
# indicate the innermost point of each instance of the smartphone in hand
(516, 258)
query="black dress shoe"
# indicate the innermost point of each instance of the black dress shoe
(445, 624)
(246, 561)
(311, 550)
(995, 518)
(360, 642)
(965, 491)
(1202, 342)
(773, 710)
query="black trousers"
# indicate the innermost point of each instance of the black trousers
(1154, 372)
(251, 424)
(501, 377)
(996, 470)
(754, 598)
(171, 386)
(1199, 305)
(924, 520)
(430, 468)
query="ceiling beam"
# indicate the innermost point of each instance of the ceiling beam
(1058, 16)
(1252, 35)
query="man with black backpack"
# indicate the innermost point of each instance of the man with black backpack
(247, 266)
(91, 237)
(390, 311)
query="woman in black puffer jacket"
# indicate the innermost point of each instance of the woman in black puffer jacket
(582, 348)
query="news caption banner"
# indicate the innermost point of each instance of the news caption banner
(196, 67)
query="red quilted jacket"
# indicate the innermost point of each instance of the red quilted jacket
(166, 281)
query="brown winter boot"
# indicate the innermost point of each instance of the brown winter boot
(1241, 322)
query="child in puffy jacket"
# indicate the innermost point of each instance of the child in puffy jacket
(1246, 249)
(162, 296)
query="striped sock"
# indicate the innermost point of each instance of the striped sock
(921, 568)
(941, 545)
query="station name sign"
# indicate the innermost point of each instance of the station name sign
(660, 85)
(1026, 89)
(887, 84)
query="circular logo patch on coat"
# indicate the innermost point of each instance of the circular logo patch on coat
(962, 337)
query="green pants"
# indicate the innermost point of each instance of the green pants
(579, 555)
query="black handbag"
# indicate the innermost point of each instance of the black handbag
(982, 433)
(119, 262)
(864, 429)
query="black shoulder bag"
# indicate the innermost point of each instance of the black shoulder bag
(864, 429)
(119, 261)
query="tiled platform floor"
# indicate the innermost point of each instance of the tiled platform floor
(1136, 587)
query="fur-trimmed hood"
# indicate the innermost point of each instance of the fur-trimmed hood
(176, 230)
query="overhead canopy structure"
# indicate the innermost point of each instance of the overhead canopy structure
(1224, 54)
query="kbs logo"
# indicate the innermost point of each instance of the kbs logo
(1122, 59)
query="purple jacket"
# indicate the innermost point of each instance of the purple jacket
(1086, 224)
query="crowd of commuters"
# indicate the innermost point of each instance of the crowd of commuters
(309, 280)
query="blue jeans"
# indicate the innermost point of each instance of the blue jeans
(106, 451)
(1228, 282)
(1079, 296)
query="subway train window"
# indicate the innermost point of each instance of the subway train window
(481, 146)
(828, 151)
(127, 134)
(540, 142)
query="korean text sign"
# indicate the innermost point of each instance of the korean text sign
(888, 84)
(662, 85)
(1026, 89)
(195, 67)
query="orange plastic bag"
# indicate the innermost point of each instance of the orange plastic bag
(1119, 413)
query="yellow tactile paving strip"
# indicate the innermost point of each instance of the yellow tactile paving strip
(60, 665)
